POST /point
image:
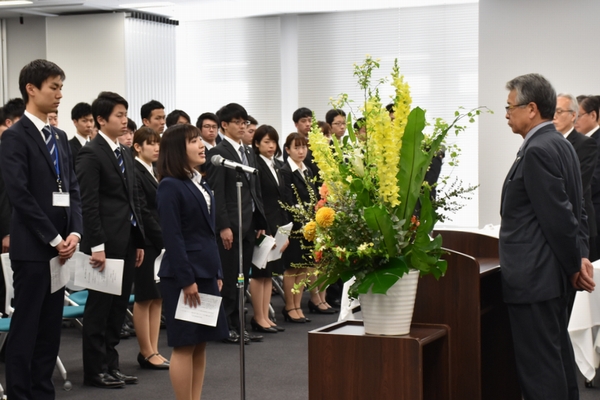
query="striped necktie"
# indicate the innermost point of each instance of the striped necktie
(122, 166)
(50, 144)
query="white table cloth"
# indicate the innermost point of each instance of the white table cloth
(584, 328)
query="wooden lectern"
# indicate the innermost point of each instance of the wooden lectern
(469, 300)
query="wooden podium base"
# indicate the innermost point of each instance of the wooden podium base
(344, 363)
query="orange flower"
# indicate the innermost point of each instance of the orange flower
(310, 230)
(320, 203)
(324, 191)
(318, 255)
(325, 217)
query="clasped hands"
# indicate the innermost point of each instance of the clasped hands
(66, 248)
(584, 279)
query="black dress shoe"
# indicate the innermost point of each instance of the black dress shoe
(146, 364)
(233, 337)
(105, 381)
(312, 307)
(128, 379)
(252, 338)
(279, 328)
(288, 318)
(256, 327)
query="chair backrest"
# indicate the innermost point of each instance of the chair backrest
(8, 283)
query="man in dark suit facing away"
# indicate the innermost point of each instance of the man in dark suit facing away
(543, 242)
(82, 118)
(46, 222)
(112, 227)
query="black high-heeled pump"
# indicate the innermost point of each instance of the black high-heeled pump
(314, 308)
(259, 328)
(288, 318)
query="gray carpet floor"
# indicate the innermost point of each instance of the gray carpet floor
(277, 368)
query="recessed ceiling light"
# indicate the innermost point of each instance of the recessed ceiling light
(147, 5)
(13, 3)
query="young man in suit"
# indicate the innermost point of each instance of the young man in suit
(11, 112)
(208, 123)
(543, 242)
(82, 118)
(112, 227)
(234, 121)
(46, 223)
(153, 116)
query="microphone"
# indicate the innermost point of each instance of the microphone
(223, 162)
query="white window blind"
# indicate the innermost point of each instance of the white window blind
(230, 61)
(437, 50)
(149, 64)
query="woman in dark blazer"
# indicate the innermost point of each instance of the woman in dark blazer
(266, 145)
(191, 263)
(148, 302)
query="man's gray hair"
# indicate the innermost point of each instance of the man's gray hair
(534, 88)
(573, 104)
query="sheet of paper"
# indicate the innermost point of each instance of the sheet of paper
(109, 280)
(205, 314)
(261, 252)
(59, 274)
(281, 238)
(157, 265)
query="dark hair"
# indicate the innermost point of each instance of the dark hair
(390, 108)
(581, 98)
(360, 123)
(591, 104)
(150, 106)
(14, 108)
(331, 114)
(325, 127)
(80, 110)
(144, 134)
(206, 115)
(36, 72)
(252, 120)
(172, 159)
(300, 113)
(104, 105)
(131, 125)
(174, 115)
(299, 138)
(231, 111)
(260, 133)
(534, 88)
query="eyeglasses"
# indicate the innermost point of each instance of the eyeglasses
(559, 111)
(240, 122)
(339, 123)
(510, 108)
(582, 114)
(211, 127)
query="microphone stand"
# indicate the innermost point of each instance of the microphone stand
(240, 286)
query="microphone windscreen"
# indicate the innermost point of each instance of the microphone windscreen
(216, 160)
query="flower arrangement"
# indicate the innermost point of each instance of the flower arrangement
(375, 214)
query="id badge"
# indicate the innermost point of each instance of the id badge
(61, 199)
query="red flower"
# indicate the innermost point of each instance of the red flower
(318, 255)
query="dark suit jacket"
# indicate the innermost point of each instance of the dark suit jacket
(587, 153)
(108, 199)
(272, 193)
(223, 183)
(543, 231)
(75, 147)
(147, 186)
(30, 180)
(596, 183)
(189, 232)
(5, 209)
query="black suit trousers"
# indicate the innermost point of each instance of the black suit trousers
(231, 265)
(543, 349)
(34, 337)
(103, 319)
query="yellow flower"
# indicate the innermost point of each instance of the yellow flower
(310, 230)
(325, 217)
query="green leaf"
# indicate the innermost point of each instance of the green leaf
(381, 280)
(350, 128)
(378, 219)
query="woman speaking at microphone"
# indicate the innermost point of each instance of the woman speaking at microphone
(191, 262)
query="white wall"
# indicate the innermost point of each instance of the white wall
(91, 51)
(24, 43)
(554, 38)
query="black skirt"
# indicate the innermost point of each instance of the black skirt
(146, 287)
(184, 333)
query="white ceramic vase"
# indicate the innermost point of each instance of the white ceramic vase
(391, 313)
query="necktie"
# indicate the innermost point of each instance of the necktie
(120, 160)
(306, 175)
(122, 166)
(50, 144)
(244, 159)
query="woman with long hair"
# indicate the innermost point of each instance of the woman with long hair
(191, 263)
